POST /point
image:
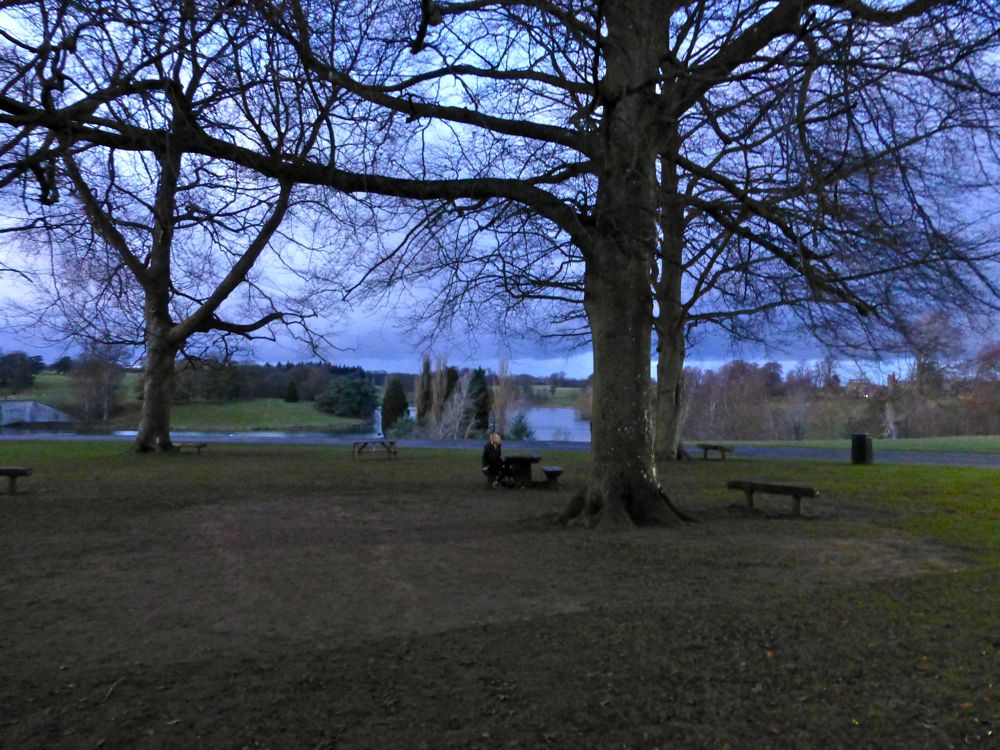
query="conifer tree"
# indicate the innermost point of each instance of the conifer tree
(394, 404)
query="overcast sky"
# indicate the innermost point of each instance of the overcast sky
(372, 340)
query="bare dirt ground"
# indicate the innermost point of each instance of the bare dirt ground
(357, 614)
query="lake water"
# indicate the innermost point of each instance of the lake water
(549, 423)
(558, 423)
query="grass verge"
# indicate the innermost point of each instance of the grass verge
(956, 444)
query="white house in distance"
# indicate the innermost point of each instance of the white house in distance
(30, 412)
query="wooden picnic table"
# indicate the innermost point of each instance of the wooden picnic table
(520, 468)
(371, 447)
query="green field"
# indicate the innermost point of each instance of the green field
(258, 414)
(49, 388)
(239, 415)
(543, 395)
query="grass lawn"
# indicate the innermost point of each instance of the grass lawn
(260, 596)
(959, 444)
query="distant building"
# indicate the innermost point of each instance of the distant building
(30, 412)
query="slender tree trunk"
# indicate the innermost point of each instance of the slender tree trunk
(617, 294)
(671, 393)
(672, 316)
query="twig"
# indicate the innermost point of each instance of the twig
(111, 689)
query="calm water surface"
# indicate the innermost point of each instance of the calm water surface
(558, 423)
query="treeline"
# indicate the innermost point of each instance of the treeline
(746, 401)
(448, 402)
(213, 380)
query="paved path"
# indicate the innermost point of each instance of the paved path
(512, 446)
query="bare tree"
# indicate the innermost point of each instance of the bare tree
(503, 397)
(150, 248)
(810, 192)
(439, 391)
(97, 376)
(455, 420)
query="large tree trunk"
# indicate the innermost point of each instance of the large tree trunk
(161, 346)
(623, 488)
(157, 390)
(617, 295)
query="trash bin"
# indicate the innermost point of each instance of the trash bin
(861, 448)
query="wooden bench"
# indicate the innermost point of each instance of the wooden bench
(371, 447)
(12, 473)
(552, 476)
(797, 491)
(196, 447)
(722, 450)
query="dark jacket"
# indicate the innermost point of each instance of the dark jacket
(492, 460)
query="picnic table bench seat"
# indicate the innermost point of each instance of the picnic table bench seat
(796, 491)
(12, 473)
(552, 474)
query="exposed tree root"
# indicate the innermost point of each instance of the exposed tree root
(145, 446)
(686, 517)
(622, 506)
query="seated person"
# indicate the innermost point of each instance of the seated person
(494, 467)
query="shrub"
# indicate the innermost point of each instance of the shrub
(403, 428)
(350, 396)
(519, 429)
